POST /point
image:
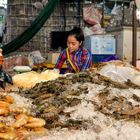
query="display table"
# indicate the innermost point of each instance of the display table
(48, 66)
(51, 66)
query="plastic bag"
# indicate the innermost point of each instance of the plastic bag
(8, 78)
(5, 78)
(35, 58)
(110, 58)
(97, 29)
(116, 9)
(87, 31)
(118, 72)
(91, 14)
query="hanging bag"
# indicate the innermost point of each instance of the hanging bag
(91, 14)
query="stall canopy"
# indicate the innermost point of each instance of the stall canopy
(32, 30)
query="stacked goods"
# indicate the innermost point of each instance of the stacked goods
(16, 120)
(106, 20)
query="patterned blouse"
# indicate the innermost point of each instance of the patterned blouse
(81, 59)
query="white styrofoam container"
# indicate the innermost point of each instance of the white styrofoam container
(101, 44)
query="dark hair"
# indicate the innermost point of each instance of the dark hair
(77, 32)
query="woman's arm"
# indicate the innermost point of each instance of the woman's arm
(87, 63)
(61, 60)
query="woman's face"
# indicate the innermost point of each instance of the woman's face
(72, 43)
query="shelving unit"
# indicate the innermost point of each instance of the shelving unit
(127, 34)
(125, 14)
(122, 27)
(106, 6)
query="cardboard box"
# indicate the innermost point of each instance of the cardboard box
(52, 58)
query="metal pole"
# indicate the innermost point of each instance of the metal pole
(79, 13)
(134, 42)
(103, 8)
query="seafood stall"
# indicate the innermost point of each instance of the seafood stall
(100, 103)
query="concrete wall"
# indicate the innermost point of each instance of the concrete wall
(22, 12)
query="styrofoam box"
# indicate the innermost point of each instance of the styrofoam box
(101, 44)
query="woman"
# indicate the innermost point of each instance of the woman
(76, 56)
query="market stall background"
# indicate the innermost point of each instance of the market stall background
(100, 103)
(66, 15)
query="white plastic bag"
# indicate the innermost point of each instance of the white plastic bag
(87, 31)
(119, 73)
(116, 9)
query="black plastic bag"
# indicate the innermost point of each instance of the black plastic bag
(8, 78)
(2, 84)
(5, 78)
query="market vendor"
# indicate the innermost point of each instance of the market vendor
(76, 56)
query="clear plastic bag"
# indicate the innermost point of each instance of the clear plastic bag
(116, 9)
(35, 58)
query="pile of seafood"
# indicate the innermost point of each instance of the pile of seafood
(102, 103)
(17, 119)
(87, 105)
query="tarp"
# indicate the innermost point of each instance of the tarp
(32, 30)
